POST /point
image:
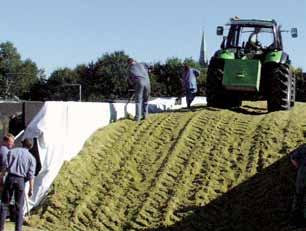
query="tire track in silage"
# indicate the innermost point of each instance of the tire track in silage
(266, 141)
(193, 142)
(148, 211)
(125, 191)
(276, 146)
(209, 172)
(212, 173)
(105, 181)
(77, 178)
(121, 178)
(264, 150)
(222, 171)
(232, 153)
(151, 164)
(190, 178)
(106, 191)
(161, 205)
(132, 194)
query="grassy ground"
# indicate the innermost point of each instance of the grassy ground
(209, 169)
(9, 226)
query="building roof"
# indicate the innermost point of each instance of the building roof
(253, 22)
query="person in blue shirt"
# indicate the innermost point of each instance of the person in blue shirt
(20, 167)
(189, 81)
(7, 144)
(139, 78)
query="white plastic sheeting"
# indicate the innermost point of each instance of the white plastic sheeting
(61, 129)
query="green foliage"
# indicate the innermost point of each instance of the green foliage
(62, 85)
(40, 91)
(166, 78)
(101, 80)
(16, 76)
(300, 84)
(111, 75)
(27, 76)
(106, 79)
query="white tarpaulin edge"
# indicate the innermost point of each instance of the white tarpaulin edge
(61, 129)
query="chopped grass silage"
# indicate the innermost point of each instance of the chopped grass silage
(209, 169)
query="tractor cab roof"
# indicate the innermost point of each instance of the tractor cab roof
(252, 22)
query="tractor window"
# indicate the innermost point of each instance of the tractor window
(245, 35)
(233, 37)
(254, 35)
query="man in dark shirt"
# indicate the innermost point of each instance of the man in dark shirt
(298, 159)
(20, 166)
(139, 77)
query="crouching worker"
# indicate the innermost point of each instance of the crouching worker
(189, 82)
(139, 78)
(20, 167)
(298, 159)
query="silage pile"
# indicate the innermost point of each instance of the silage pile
(209, 169)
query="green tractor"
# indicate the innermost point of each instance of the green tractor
(251, 65)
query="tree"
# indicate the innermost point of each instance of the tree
(84, 76)
(110, 76)
(16, 76)
(61, 85)
(300, 84)
(105, 79)
(40, 91)
(166, 78)
(26, 77)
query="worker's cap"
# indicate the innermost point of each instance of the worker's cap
(27, 143)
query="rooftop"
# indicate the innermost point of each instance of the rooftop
(252, 22)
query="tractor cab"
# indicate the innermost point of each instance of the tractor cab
(250, 38)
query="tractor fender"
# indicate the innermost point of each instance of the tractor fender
(224, 54)
(277, 57)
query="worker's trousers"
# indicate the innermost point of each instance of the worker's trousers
(142, 94)
(13, 185)
(190, 95)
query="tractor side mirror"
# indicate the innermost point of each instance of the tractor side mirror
(294, 32)
(220, 30)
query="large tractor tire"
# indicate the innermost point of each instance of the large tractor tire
(217, 95)
(280, 86)
(293, 91)
(214, 87)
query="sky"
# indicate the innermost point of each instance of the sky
(65, 33)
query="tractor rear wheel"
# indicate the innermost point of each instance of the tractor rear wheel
(280, 88)
(293, 91)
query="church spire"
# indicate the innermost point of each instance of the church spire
(203, 56)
